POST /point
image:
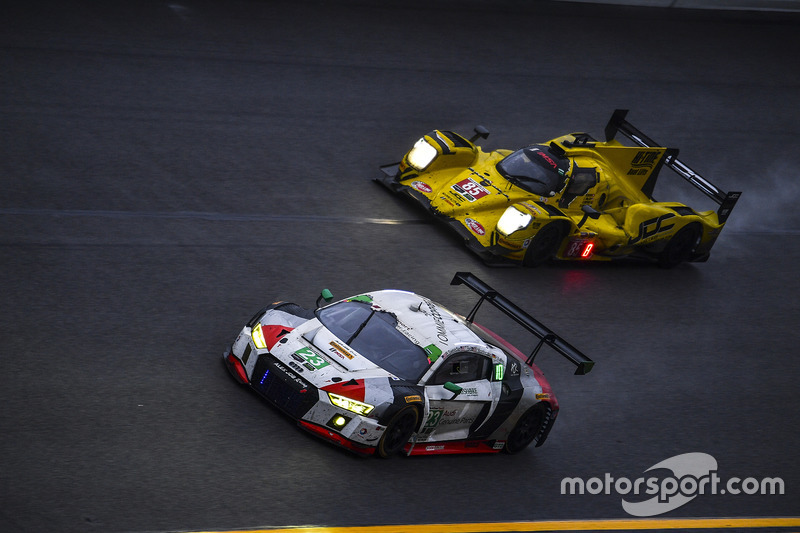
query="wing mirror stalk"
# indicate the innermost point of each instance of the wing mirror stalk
(588, 212)
(324, 295)
(480, 132)
(452, 387)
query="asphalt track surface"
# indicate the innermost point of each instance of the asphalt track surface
(167, 169)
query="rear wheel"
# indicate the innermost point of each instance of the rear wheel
(398, 431)
(680, 246)
(544, 245)
(528, 426)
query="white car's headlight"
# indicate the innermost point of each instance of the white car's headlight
(258, 337)
(421, 155)
(350, 404)
(513, 220)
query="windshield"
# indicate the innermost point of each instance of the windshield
(535, 169)
(374, 335)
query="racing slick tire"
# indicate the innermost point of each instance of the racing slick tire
(544, 245)
(680, 246)
(398, 431)
(526, 429)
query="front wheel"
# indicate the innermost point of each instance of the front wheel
(528, 426)
(398, 431)
(680, 246)
(544, 245)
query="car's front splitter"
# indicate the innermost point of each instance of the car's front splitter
(336, 438)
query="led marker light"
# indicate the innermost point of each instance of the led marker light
(258, 337)
(350, 404)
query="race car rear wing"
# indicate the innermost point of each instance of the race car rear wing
(725, 200)
(545, 335)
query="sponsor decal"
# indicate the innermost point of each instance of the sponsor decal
(532, 208)
(542, 396)
(547, 159)
(464, 420)
(441, 332)
(643, 162)
(413, 398)
(498, 444)
(475, 226)
(421, 186)
(470, 189)
(650, 228)
(289, 374)
(340, 351)
(505, 243)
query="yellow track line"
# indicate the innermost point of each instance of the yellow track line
(548, 525)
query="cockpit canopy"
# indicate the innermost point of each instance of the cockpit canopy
(374, 334)
(536, 169)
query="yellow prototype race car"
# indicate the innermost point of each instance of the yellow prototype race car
(572, 198)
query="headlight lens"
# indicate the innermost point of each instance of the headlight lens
(513, 220)
(421, 155)
(350, 404)
(258, 337)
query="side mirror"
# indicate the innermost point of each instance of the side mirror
(480, 132)
(588, 212)
(452, 387)
(325, 295)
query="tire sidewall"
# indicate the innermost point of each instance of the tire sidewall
(530, 423)
(544, 245)
(680, 246)
(392, 442)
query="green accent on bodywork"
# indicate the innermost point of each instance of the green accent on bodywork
(433, 352)
(312, 358)
(366, 298)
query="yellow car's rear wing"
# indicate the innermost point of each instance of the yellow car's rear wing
(725, 200)
(545, 335)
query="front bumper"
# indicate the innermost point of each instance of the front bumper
(495, 255)
(285, 387)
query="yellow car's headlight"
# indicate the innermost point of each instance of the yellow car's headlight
(513, 220)
(350, 404)
(258, 337)
(421, 155)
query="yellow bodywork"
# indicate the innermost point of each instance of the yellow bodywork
(463, 184)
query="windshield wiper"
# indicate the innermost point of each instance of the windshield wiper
(361, 327)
